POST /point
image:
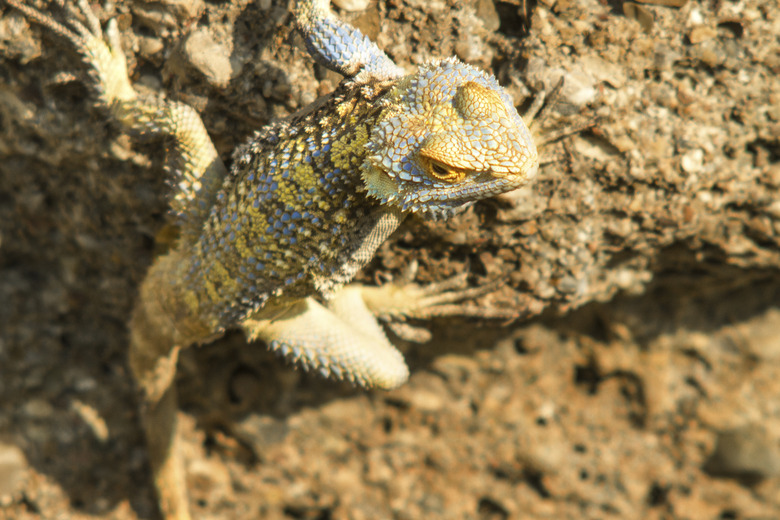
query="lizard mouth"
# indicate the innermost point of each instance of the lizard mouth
(443, 201)
(441, 198)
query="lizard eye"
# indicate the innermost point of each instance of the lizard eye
(438, 169)
(443, 172)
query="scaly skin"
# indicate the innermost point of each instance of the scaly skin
(270, 246)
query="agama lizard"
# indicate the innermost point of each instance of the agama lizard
(271, 245)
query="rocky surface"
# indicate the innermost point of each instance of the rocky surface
(641, 380)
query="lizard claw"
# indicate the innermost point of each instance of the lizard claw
(403, 298)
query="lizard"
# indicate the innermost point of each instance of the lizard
(271, 245)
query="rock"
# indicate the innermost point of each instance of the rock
(210, 57)
(352, 5)
(13, 472)
(746, 453)
(208, 480)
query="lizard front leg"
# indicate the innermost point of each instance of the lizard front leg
(339, 46)
(342, 338)
(349, 346)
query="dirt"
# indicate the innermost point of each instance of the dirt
(640, 380)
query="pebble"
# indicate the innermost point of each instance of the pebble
(748, 452)
(209, 57)
(486, 11)
(693, 161)
(209, 481)
(352, 5)
(13, 472)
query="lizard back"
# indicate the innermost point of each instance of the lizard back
(292, 211)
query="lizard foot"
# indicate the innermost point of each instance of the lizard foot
(403, 299)
(101, 53)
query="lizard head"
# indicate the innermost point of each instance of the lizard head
(449, 136)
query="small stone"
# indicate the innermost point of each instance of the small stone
(209, 57)
(579, 87)
(568, 285)
(209, 481)
(701, 33)
(92, 418)
(352, 5)
(604, 71)
(486, 11)
(426, 401)
(469, 48)
(639, 13)
(13, 472)
(745, 453)
(762, 335)
(693, 161)
(37, 409)
(774, 209)
(150, 46)
(185, 9)
(261, 432)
